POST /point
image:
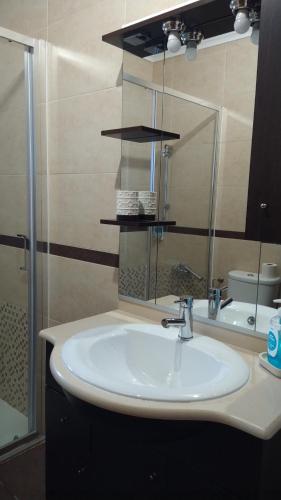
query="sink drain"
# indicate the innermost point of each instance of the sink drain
(251, 320)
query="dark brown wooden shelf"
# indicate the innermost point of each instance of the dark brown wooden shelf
(138, 223)
(146, 38)
(140, 134)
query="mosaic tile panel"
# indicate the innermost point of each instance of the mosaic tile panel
(133, 282)
(14, 356)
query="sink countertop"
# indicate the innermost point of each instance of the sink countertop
(255, 408)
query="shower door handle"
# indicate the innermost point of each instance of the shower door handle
(24, 239)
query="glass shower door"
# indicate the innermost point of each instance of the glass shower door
(16, 234)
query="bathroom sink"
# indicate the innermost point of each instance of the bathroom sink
(145, 361)
(240, 314)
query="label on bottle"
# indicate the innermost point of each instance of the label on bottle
(272, 343)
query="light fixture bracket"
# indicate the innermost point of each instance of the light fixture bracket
(173, 25)
(254, 16)
(252, 6)
(236, 5)
(192, 35)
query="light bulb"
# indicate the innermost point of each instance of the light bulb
(242, 21)
(191, 50)
(255, 34)
(174, 42)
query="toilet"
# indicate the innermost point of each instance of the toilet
(242, 286)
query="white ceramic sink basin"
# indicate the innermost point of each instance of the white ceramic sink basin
(149, 362)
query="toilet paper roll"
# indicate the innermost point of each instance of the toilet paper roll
(269, 269)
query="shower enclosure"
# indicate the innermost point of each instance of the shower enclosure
(18, 241)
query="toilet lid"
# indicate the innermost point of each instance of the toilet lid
(248, 277)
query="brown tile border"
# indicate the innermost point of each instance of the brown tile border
(219, 233)
(188, 230)
(107, 258)
(11, 241)
(196, 231)
(85, 254)
(67, 251)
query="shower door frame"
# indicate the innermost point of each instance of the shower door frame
(31, 47)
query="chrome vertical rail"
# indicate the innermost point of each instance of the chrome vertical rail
(153, 145)
(213, 189)
(152, 188)
(31, 183)
(166, 153)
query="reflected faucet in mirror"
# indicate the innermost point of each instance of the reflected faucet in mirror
(215, 302)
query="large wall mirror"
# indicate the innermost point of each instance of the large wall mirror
(202, 183)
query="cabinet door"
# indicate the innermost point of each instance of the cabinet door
(265, 172)
(68, 449)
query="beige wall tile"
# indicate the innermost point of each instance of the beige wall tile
(76, 205)
(136, 106)
(199, 128)
(185, 249)
(56, 10)
(191, 167)
(80, 289)
(134, 248)
(79, 62)
(137, 10)
(241, 68)
(13, 207)
(24, 16)
(13, 140)
(230, 254)
(204, 78)
(14, 284)
(237, 118)
(271, 253)
(183, 202)
(239, 90)
(231, 207)
(75, 141)
(234, 163)
(96, 66)
(12, 91)
(138, 67)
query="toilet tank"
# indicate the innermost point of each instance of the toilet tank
(242, 286)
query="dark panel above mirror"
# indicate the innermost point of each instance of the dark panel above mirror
(145, 38)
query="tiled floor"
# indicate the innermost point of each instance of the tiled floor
(23, 477)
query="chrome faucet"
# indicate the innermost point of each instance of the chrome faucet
(185, 320)
(215, 303)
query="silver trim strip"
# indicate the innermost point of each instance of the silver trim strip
(17, 37)
(32, 289)
(175, 93)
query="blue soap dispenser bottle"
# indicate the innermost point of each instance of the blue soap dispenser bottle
(274, 339)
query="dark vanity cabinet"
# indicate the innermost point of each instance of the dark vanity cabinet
(68, 444)
(95, 454)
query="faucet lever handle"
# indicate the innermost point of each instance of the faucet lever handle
(185, 301)
(215, 293)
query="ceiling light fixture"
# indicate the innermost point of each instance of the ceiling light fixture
(173, 30)
(247, 13)
(191, 39)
